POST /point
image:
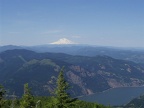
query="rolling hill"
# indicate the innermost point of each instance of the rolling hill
(131, 54)
(85, 74)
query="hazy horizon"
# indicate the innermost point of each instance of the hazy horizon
(115, 23)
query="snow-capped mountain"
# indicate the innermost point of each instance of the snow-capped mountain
(63, 41)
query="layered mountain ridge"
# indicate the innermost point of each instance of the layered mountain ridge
(86, 75)
(135, 55)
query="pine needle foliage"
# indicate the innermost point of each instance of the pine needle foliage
(27, 99)
(2, 94)
(63, 99)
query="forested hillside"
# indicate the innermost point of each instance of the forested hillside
(60, 98)
(131, 54)
(136, 103)
(87, 75)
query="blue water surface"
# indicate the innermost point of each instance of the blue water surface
(115, 96)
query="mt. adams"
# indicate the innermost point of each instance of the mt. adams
(63, 41)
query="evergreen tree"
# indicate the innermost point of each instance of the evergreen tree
(63, 99)
(27, 99)
(2, 93)
(13, 100)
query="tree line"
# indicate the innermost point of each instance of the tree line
(60, 99)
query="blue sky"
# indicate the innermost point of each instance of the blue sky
(118, 23)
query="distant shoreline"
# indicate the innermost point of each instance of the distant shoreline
(109, 89)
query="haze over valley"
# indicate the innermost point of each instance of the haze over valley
(71, 53)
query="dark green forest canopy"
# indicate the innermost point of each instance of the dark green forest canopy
(61, 98)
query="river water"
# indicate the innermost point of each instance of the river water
(115, 96)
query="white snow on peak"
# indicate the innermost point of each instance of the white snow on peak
(63, 41)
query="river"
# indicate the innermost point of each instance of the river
(115, 96)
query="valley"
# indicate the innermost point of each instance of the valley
(87, 75)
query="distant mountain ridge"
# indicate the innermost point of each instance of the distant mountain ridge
(86, 75)
(134, 55)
